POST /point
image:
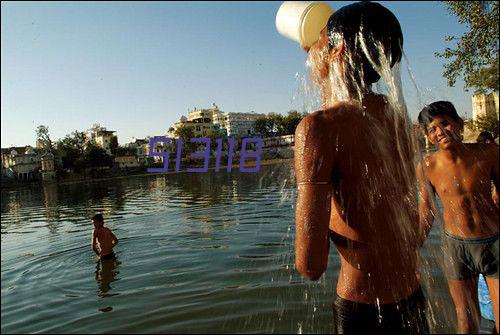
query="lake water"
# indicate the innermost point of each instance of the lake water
(204, 253)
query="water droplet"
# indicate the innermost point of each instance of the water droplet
(379, 311)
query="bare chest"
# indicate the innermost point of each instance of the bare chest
(460, 178)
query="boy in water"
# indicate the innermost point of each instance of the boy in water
(104, 237)
(461, 175)
(356, 179)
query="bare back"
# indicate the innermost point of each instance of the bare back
(374, 217)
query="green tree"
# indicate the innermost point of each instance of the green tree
(276, 124)
(43, 137)
(71, 147)
(186, 134)
(78, 140)
(475, 56)
(291, 121)
(262, 126)
(94, 156)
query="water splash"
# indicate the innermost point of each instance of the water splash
(344, 86)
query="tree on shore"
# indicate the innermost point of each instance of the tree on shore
(278, 125)
(43, 138)
(78, 153)
(186, 134)
(475, 55)
(291, 121)
(95, 156)
(70, 148)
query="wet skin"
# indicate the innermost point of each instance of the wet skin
(353, 181)
(103, 237)
(461, 175)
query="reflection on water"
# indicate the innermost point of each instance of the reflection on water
(207, 252)
(106, 272)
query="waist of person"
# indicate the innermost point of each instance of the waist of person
(472, 240)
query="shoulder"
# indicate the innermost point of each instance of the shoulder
(324, 122)
(428, 166)
(430, 160)
(425, 166)
(311, 122)
(484, 151)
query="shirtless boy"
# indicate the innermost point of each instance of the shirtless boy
(461, 175)
(356, 180)
(103, 237)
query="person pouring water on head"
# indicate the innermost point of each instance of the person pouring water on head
(356, 180)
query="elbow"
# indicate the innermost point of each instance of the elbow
(310, 273)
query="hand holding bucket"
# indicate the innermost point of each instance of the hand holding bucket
(302, 21)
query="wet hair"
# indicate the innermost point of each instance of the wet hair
(374, 24)
(437, 108)
(486, 135)
(98, 217)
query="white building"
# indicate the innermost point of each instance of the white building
(101, 136)
(199, 120)
(237, 124)
(204, 121)
(484, 104)
(21, 163)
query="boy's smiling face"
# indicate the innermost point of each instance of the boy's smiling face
(445, 131)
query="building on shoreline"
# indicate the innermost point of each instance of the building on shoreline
(199, 120)
(484, 105)
(238, 124)
(126, 162)
(203, 122)
(101, 137)
(141, 146)
(47, 164)
(21, 163)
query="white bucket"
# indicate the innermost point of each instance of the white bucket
(302, 21)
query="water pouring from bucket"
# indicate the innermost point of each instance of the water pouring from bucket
(302, 21)
(355, 164)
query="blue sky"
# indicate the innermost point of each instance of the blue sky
(137, 67)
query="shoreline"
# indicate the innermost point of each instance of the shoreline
(140, 174)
